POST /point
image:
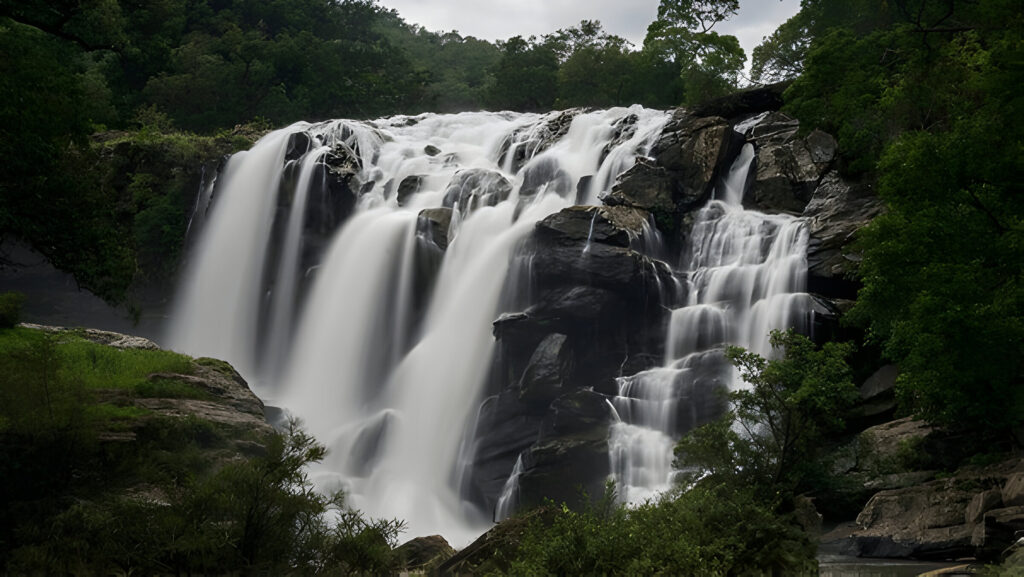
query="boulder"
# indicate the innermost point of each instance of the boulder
(409, 186)
(613, 226)
(925, 521)
(787, 171)
(743, 102)
(491, 552)
(1013, 491)
(649, 187)
(877, 402)
(570, 457)
(692, 150)
(999, 530)
(939, 519)
(505, 428)
(888, 447)
(424, 553)
(432, 224)
(836, 211)
(544, 174)
(982, 503)
(476, 187)
(545, 374)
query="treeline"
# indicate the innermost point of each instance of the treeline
(923, 96)
(160, 72)
(214, 64)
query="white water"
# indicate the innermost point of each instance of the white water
(747, 274)
(389, 388)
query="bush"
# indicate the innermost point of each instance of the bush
(712, 529)
(10, 309)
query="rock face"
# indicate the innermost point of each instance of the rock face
(950, 518)
(424, 553)
(214, 393)
(836, 211)
(474, 188)
(597, 304)
(788, 168)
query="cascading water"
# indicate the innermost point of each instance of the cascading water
(746, 275)
(381, 334)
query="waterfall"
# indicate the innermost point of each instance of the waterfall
(352, 271)
(746, 274)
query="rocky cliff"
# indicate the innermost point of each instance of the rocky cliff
(602, 290)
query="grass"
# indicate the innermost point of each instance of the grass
(99, 366)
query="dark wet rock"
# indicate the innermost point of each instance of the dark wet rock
(693, 150)
(837, 210)
(590, 223)
(744, 102)
(431, 150)
(409, 186)
(877, 398)
(998, 531)
(544, 377)
(581, 188)
(544, 174)
(648, 187)
(570, 457)
(491, 552)
(505, 428)
(432, 224)
(476, 187)
(424, 553)
(787, 171)
(299, 143)
(527, 143)
(366, 446)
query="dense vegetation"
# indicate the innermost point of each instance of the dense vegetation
(923, 98)
(92, 484)
(162, 72)
(735, 511)
(100, 99)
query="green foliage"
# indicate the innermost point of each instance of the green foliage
(682, 33)
(711, 529)
(10, 309)
(919, 95)
(781, 56)
(527, 76)
(771, 439)
(942, 274)
(94, 487)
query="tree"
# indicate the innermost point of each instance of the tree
(772, 436)
(683, 33)
(781, 55)
(527, 76)
(919, 94)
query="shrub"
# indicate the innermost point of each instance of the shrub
(10, 309)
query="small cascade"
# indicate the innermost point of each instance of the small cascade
(746, 275)
(509, 493)
(379, 281)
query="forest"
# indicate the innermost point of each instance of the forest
(100, 99)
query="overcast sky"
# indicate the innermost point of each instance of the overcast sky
(503, 19)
